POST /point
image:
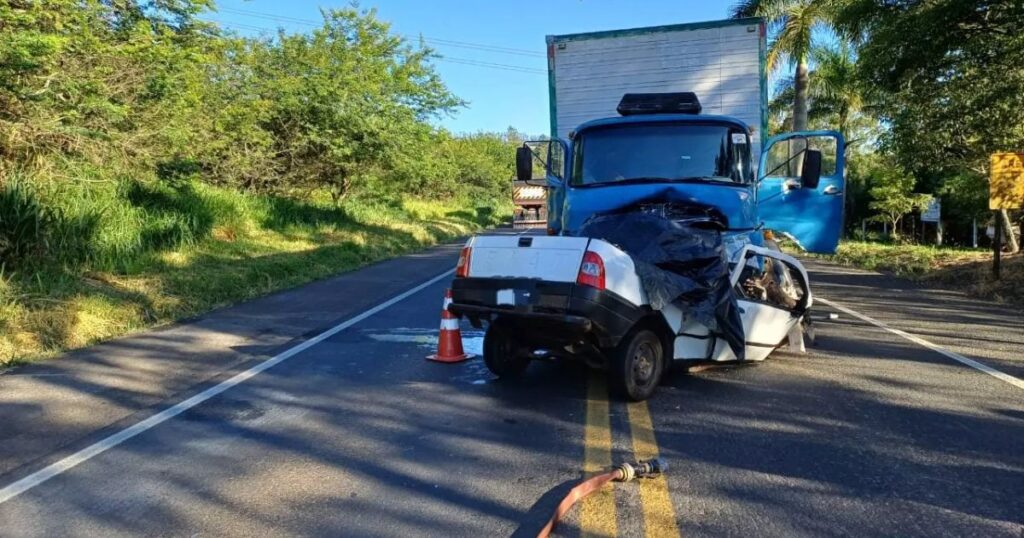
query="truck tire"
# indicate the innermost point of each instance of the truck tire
(636, 365)
(503, 357)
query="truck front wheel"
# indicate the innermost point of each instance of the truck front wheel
(636, 365)
(502, 355)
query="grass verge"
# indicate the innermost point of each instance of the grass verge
(242, 246)
(967, 270)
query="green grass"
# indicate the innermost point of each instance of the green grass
(968, 270)
(118, 258)
(903, 259)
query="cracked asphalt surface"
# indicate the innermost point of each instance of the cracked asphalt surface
(868, 434)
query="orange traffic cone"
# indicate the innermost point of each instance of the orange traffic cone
(449, 341)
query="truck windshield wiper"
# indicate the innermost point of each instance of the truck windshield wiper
(655, 179)
(704, 179)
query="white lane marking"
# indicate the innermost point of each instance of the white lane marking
(17, 488)
(934, 347)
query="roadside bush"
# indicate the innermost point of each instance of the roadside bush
(24, 223)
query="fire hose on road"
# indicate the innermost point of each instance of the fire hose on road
(621, 473)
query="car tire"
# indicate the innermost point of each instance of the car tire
(502, 355)
(636, 365)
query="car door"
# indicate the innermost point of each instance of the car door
(812, 216)
(772, 296)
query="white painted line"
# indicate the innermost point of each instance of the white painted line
(21, 486)
(934, 347)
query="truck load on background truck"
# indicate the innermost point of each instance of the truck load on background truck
(659, 200)
(531, 205)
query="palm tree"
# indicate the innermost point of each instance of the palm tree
(836, 87)
(792, 24)
(835, 93)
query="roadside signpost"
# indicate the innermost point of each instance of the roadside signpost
(933, 213)
(1006, 191)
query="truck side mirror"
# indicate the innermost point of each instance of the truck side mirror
(810, 172)
(524, 163)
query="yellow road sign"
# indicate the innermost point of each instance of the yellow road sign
(1006, 181)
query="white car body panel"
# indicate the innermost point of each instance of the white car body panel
(620, 272)
(764, 327)
(555, 259)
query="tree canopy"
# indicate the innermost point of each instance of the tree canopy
(947, 79)
(792, 25)
(133, 88)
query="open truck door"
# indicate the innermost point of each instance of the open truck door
(801, 188)
(556, 173)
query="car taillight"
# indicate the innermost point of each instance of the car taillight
(591, 271)
(462, 268)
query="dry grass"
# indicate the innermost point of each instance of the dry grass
(975, 278)
(967, 270)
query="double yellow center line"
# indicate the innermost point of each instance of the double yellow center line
(598, 512)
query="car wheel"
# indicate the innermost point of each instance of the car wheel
(502, 355)
(637, 365)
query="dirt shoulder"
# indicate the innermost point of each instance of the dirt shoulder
(965, 270)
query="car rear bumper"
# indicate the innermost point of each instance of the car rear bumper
(547, 313)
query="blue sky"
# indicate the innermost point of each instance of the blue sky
(471, 33)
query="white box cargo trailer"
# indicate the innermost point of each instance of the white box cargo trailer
(723, 62)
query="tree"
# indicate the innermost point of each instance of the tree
(892, 190)
(792, 24)
(835, 88)
(142, 89)
(341, 107)
(949, 81)
(836, 96)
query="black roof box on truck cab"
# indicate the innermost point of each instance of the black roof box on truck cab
(659, 103)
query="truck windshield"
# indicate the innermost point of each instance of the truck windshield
(662, 152)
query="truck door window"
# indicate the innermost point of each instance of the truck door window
(556, 160)
(781, 152)
(665, 151)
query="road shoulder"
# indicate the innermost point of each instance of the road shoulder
(53, 408)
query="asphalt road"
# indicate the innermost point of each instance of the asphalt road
(353, 433)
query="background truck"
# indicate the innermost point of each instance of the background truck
(531, 205)
(658, 197)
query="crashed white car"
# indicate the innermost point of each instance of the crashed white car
(580, 297)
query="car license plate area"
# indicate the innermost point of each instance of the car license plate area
(512, 297)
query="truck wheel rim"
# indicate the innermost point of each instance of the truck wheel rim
(643, 363)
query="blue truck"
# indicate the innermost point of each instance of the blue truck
(662, 207)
